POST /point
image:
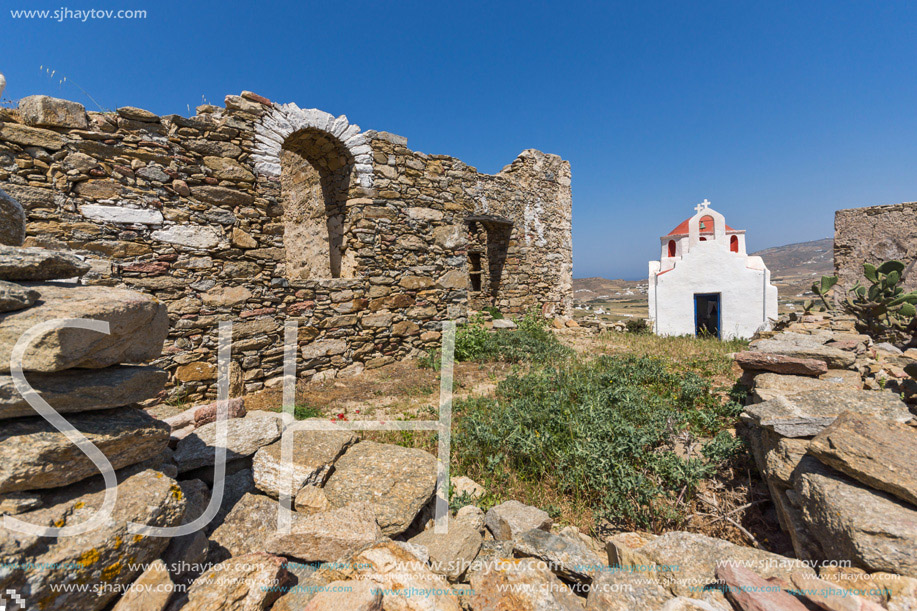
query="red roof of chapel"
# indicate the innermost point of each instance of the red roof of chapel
(682, 228)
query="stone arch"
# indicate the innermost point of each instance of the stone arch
(316, 157)
(286, 119)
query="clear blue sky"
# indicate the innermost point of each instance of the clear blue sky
(779, 112)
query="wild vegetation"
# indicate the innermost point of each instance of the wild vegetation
(884, 310)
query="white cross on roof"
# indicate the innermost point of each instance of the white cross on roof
(703, 205)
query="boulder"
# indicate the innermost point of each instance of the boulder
(472, 515)
(521, 585)
(568, 558)
(82, 390)
(348, 596)
(246, 527)
(35, 455)
(452, 552)
(396, 481)
(109, 555)
(15, 297)
(311, 499)
(808, 413)
(687, 562)
(508, 520)
(326, 536)
(187, 552)
(626, 590)
(778, 363)
(12, 221)
(771, 385)
(235, 487)
(394, 566)
(199, 415)
(872, 529)
(45, 111)
(465, 486)
(879, 453)
(828, 595)
(243, 438)
(151, 592)
(804, 347)
(749, 592)
(38, 264)
(313, 454)
(138, 325)
(503, 323)
(248, 583)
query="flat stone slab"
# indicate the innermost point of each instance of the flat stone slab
(12, 220)
(148, 498)
(451, 553)
(138, 325)
(313, 455)
(396, 481)
(326, 536)
(523, 584)
(37, 264)
(35, 455)
(686, 562)
(508, 520)
(771, 385)
(808, 413)
(873, 529)
(391, 564)
(802, 347)
(250, 582)
(569, 559)
(243, 438)
(752, 593)
(879, 453)
(245, 528)
(16, 297)
(779, 363)
(83, 390)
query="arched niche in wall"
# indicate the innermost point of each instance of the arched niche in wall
(320, 160)
(671, 248)
(734, 243)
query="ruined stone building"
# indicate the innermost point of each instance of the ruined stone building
(261, 212)
(874, 234)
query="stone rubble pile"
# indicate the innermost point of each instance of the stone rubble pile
(93, 380)
(835, 442)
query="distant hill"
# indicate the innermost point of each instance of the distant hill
(793, 269)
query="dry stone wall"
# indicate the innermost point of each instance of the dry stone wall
(875, 234)
(259, 212)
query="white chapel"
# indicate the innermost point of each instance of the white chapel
(705, 282)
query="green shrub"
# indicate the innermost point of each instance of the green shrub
(532, 341)
(637, 325)
(603, 431)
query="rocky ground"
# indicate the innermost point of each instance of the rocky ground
(827, 426)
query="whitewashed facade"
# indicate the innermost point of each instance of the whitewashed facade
(705, 282)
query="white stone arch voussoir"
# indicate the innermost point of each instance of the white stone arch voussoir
(285, 119)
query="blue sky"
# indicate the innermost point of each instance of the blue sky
(779, 112)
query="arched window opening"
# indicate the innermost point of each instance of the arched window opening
(734, 243)
(671, 248)
(314, 184)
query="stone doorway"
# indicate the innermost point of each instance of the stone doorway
(488, 244)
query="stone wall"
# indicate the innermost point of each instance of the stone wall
(874, 235)
(260, 212)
